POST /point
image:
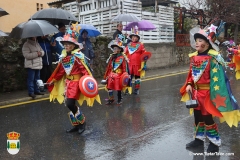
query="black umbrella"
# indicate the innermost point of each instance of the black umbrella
(32, 28)
(54, 16)
(3, 12)
(2, 34)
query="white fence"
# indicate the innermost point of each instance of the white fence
(100, 13)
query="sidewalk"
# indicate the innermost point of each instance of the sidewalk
(22, 96)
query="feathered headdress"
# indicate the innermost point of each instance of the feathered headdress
(72, 35)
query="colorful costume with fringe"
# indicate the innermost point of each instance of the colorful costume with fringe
(133, 52)
(137, 65)
(66, 75)
(117, 66)
(212, 90)
(235, 63)
(66, 78)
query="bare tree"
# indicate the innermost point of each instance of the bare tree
(226, 10)
(193, 4)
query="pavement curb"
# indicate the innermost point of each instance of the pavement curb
(46, 95)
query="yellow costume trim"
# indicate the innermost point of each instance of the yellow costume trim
(64, 52)
(127, 88)
(142, 72)
(238, 74)
(185, 97)
(193, 54)
(237, 63)
(232, 118)
(58, 88)
(90, 101)
(211, 51)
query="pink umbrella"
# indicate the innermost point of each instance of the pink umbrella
(143, 25)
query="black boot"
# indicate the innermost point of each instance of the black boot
(136, 91)
(119, 102)
(110, 101)
(119, 98)
(81, 128)
(212, 148)
(38, 93)
(195, 143)
(74, 129)
(32, 95)
(126, 92)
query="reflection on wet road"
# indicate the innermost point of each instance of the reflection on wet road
(154, 125)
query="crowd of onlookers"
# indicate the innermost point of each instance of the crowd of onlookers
(41, 52)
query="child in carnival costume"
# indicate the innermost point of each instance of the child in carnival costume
(138, 57)
(230, 50)
(117, 73)
(235, 61)
(67, 79)
(209, 85)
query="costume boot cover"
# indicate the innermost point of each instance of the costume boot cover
(212, 134)
(199, 136)
(110, 95)
(137, 86)
(137, 83)
(200, 131)
(76, 119)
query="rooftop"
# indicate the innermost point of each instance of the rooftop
(145, 3)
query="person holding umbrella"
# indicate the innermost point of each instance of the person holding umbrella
(58, 47)
(118, 31)
(87, 49)
(33, 54)
(32, 51)
(118, 34)
(47, 59)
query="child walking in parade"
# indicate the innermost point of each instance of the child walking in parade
(235, 60)
(138, 57)
(72, 81)
(208, 84)
(117, 73)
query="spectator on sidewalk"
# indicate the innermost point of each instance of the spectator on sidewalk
(118, 34)
(46, 70)
(58, 47)
(87, 47)
(118, 31)
(33, 54)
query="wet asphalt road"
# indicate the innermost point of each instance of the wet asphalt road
(154, 125)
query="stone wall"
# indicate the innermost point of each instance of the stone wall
(167, 55)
